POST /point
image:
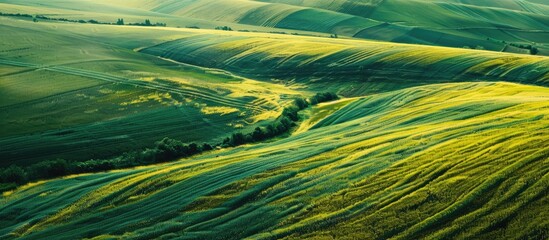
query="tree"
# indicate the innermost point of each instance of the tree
(224, 28)
(49, 169)
(238, 139)
(193, 149)
(120, 21)
(534, 50)
(13, 174)
(258, 134)
(291, 112)
(206, 147)
(148, 22)
(301, 103)
(323, 97)
(169, 149)
(227, 141)
(286, 123)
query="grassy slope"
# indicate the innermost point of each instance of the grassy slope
(444, 23)
(367, 66)
(86, 10)
(262, 14)
(463, 160)
(131, 12)
(358, 67)
(93, 86)
(68, 93)
(456, 159)
(454, 23)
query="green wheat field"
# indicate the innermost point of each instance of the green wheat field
(274, 119)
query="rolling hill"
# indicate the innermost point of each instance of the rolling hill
(472, 24)
(463, 160)
(70, 96)
(130, 97)
(453, 23)
(440, 130)
(373, 66)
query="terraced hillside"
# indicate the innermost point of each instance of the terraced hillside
(462, 160)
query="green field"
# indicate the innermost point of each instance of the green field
(113, 96)
(488, 24)
(359, 67)
(426, 160)
(443, 23)
(440, 130)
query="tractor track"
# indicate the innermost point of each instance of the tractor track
(138, 83)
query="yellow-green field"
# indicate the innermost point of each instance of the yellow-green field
(101, 73)
(438, 139)
(447, 160)
(66, 93)
(359, 67)
(454, 23)
(486, 24)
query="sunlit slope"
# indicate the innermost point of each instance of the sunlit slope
(491, 25)
(454, 23)
(446, 13)
(138, 11)
(358, 66)
(66, 93)
(86, 10)
(462, 160)
(516, 5)
(450, 13)
(261, 14)
(443, 21)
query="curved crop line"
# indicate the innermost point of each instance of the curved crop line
(491, 182)
(150, 85)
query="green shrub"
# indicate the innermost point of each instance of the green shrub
(534, 51)
(224, 28)
(206, 147)
(301, 103)
(49, 169)
(323, 97)
(13, 174)
(164, 150)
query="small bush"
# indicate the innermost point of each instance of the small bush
(164, 150)
(206, 147)
(323, 97)
(301, 103)
(49, 169)
(13, 174)
(534, 51)
(224, 28)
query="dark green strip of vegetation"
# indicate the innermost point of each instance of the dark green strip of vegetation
(165, 150)
(120, 21)
(224, 28)
(531, 48)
